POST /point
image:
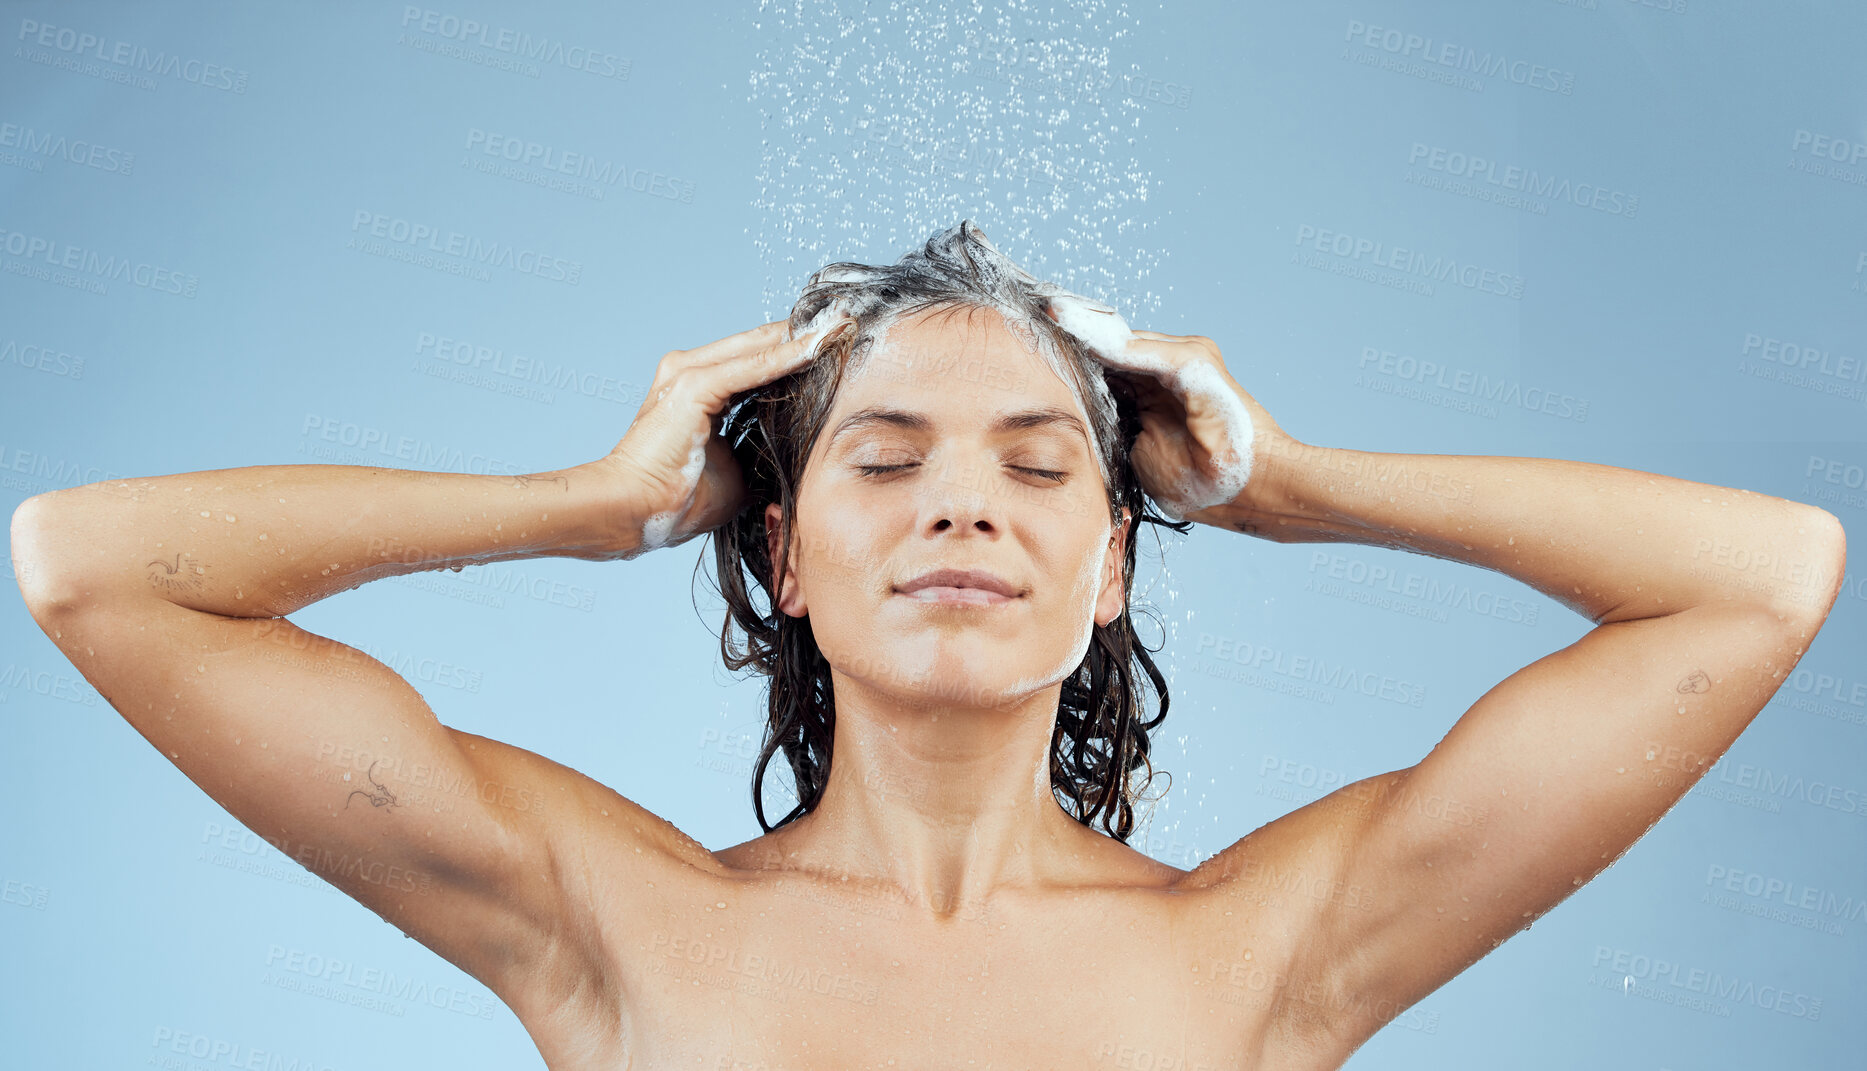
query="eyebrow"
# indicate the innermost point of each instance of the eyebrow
(907, 419)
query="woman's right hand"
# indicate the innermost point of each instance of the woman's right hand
(674, 472)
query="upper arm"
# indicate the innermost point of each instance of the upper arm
(1547, 780)
(475, 848)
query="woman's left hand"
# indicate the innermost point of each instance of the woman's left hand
(1204, 441)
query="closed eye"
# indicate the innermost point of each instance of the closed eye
(1053, 475)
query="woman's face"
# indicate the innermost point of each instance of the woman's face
(953, 445)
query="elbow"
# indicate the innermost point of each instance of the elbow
(46, 582)
(1815, 580)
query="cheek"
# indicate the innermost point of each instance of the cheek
(843, 551)
(1076, 605)
(1089, 583)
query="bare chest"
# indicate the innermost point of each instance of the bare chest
(788, 974)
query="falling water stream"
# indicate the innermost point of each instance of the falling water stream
(884, 124)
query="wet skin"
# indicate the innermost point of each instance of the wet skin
(938, 880)
(938, 909)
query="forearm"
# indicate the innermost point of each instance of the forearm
(1613, 544)
(264, 541)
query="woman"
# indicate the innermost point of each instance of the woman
(933, 473)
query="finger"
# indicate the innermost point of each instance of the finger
(1145, 353)
(1175, 350)
(757, 338)
(743, 371)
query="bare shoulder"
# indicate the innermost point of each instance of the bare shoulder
(610, 861)
(1271, 899)
(585, 816)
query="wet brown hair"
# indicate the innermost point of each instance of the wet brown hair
(1100, 738)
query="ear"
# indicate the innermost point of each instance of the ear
(791, 599)
(1112, 601)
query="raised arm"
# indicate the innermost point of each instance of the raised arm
(1704, 599)
(169, 595)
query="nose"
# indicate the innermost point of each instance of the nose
(955, 503)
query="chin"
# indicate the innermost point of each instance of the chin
(969, 667)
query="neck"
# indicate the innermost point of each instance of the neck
(943, 803)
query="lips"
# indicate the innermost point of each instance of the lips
(977, 580)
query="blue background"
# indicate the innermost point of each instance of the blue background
(1182, 162)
